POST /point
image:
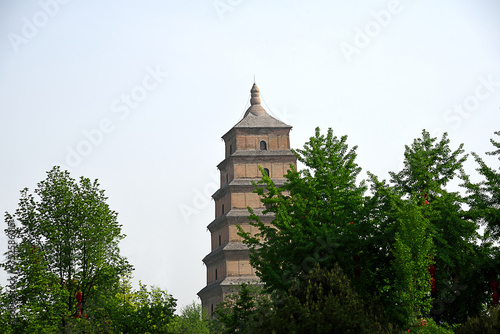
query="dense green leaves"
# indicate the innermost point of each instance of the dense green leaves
(487, 323)
(484, 197)
(193, 319)
(65, 242)
(386, 241)
(316, 214)
(241, 312)
(324, 302)
(413, 249)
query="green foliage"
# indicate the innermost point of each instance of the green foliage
(37, 301)
(429, 166)
(487, 323)
(314, 213)
(484, 197)
(324, 303)
(402, 230)
(5, 312)
(65, 241)
(412, 258)
(429, 326)
(385, 242)
(147, 310)
(241, 311)
(154, 310)
(193, 320)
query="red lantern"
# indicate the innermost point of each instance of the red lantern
(79, 297)
(494, 285)
(432, 269)
(433, 284)
(495, 298)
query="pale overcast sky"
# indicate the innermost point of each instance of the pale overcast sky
(138, 93)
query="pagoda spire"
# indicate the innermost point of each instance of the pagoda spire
(255, 99)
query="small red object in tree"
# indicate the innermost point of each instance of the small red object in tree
(79, 297)
(433, 284)
(432, 269)
(494, 285)
(495, 298)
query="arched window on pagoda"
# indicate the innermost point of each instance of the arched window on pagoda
(263, 145)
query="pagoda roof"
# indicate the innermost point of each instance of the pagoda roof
(256, 116)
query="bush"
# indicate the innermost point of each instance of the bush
(325, 302)
(488, 323)
(429, 326)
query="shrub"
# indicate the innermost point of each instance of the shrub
(488, 323)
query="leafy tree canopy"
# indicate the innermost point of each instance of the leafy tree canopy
(316, 214)
(65, 255)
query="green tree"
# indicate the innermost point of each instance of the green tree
(317, 214)
(484, 201)
(401, 240)
(154, 310)
(325, 302)
(486, 323)
(429, 166)
(484, 197)
(5, 312)
(192, 320)
(413, 248)
(241, 311)
(66, 244)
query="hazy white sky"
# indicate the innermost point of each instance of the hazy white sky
(138, 93)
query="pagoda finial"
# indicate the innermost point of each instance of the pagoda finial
(255, 99)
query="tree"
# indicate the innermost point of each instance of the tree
(154, 310)
(125, 310)
(401, 241)
(484, 201)
(316, 215)
(325, 302)
(193, 319)
(429, 166)
(241, 312)
(484, 197)
(486, 323)
(66, 253)
(412, 251)
(5, 313)
(385, 243)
